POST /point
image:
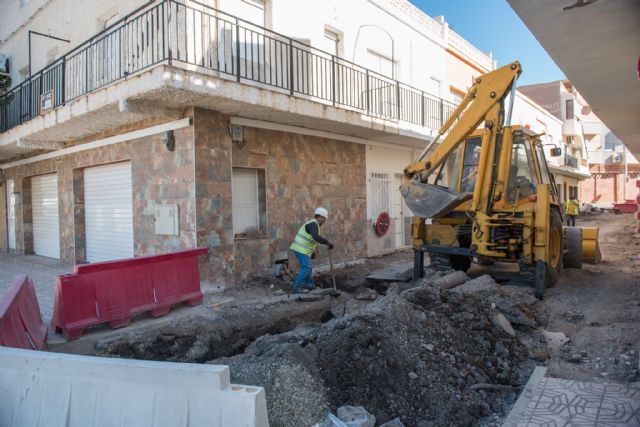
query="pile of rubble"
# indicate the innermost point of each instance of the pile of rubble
(422, 356)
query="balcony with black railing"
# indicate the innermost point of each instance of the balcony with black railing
(571, 161)
(171, 33)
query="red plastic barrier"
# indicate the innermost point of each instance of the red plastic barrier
(113, 291)
(629, 206)
(21, 323)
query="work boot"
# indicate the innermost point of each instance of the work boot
(296, 291)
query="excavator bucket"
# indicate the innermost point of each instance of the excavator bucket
(590, 248)
(431, 201)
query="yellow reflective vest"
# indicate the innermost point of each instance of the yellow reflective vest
(304, 242)
(571, 207)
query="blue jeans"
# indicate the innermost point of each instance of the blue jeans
(304, 275)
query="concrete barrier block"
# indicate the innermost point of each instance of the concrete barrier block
(55, 389)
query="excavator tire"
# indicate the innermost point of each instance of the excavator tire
(573, 257)
(547, 274)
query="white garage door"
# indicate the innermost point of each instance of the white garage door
(11, 214)
(46, 225)
(108, 212)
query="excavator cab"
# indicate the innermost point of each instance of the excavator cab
(485, 193)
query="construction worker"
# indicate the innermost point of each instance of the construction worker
(571, 210)
(304, 246)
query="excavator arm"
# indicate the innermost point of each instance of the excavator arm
(482, 103)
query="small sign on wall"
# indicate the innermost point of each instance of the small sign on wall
(46, 101)
(167, 220)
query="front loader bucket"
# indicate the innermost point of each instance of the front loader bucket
(590, 246)
(431, 201)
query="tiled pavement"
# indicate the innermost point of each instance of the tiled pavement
(43, 272)
(557, 402)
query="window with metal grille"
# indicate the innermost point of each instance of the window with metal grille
(380, 194)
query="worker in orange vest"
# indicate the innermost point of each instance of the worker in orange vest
(571, 210)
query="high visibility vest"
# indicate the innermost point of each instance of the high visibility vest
(571, 208)
(304, 242)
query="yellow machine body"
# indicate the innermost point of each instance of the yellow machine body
(487, 192)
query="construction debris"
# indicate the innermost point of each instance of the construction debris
(555, 340)
(394, 357)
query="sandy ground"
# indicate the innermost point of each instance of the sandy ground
(598, 308)
(264, 329)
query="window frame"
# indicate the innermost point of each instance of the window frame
(261, 211)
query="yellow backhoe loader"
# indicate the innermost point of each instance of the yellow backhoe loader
(485, 194)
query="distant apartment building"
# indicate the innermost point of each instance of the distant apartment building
(563, 102)
(614, 170)
(135, 128)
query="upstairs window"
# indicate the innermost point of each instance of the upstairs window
(569, 108)
(331, 42)
(380, 63)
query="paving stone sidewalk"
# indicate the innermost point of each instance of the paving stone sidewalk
(42, 271)
(558, 402)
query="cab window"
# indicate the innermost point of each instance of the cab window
(521, 178)
(448, 174)
(542, 163)
(470, 163)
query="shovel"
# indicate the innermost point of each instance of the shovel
(335, 292)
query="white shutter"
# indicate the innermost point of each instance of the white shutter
(245, 199)
(46, 224)
(11, 214)
(108, 212)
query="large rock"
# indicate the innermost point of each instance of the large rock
(356, 416)
(502, 322)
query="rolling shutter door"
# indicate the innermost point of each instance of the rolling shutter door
(11, 214)
(108, 212)
(244, 199)
(46, 224)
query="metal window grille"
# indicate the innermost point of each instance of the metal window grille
(381, 194)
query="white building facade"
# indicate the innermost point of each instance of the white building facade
(236, 116)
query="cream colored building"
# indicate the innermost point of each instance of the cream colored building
(564, 102)
(236, 117)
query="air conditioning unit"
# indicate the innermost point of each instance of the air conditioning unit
(4, 63)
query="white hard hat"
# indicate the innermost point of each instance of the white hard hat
(322, 212)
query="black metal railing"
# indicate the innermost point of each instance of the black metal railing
(571, 161)
(170, 32)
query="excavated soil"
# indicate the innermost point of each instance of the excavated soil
(429, 356)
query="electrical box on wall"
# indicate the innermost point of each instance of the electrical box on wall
(167, 220)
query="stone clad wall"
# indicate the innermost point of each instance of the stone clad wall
(303, 172)
(298, 174)
(158, 176)
(214, 223)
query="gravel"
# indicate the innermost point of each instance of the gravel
(412, 355)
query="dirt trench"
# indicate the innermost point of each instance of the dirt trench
(217, 333)
(428, 356)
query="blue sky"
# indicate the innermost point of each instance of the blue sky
(491, 25)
